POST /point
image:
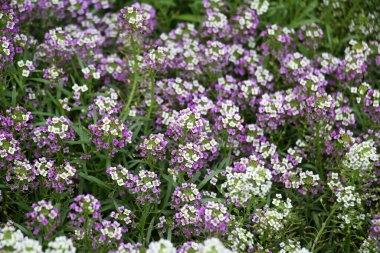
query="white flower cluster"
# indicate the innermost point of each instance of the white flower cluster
(363, 95)
(60, 39)
(250, 89)
(292, 247)
(240, 240)
(253, 134)
(181, 87)
(297, 61)
(122, 214)
(5, 47)
(215, 21)
(230, 115)
(26, 67)
(111, 230)
(213, 245)
(313, 31)
(61, 244)
(147, 180)
(66, 171)
(370, 245)
(120, 174)
(65, 104)
(187, 215)
(246, 21)
(54, 73)
(265, 149)
(272, 104)
(107, 104)
(60, 125)
(344, 194)
(329, 63)
(113, 126)
(308, 178)
(215, 51)
(235, 52)
(255, 181)
(271, 220)
(365, 23)
(90, 70)
(12, 240)
(356, 56)
(42, 166)
(312, 80)
(161, 246)
(22, 170)
(361, 156)
(187, 157)
(263, 76)
(79, 89)
(7, 147)
(28, 245)
(113, 65)
(323, 101)
(261, 6)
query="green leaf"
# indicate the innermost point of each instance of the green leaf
(300, 22)
(208, 178)
(95, 180)
(24, 230)
(23, 206)
(150, 229)
(189, 18)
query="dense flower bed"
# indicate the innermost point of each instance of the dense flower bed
(123, 132)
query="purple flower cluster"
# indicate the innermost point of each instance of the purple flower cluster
(230, 129)
(110, 134)
(145, 186)
(44, 218)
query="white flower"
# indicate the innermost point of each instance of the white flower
(25, 73)
(162, 246)
(61, 244)
(213, 245)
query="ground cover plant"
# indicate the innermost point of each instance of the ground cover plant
(175, 126)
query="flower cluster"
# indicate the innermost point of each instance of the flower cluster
(145, 185)
(137, 19)
(110, 134)
(154, 146)
(44, 218)
(249, 179)
(83, 215)
(362, 156)
(54, 135)
(124, 125)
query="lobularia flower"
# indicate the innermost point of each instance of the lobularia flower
(291, 246)
(261, 6)
(110, 134)
(61, 244)
(161, 246)
(241, 240)
(249, 180)
(10, 237)
(346, 195)
(213, 245)
(361, 156)
(153, 147)
(44, 218)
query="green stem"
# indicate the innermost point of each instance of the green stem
(320, 232)
(152, 83)
(144, 216)
(135, 79)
